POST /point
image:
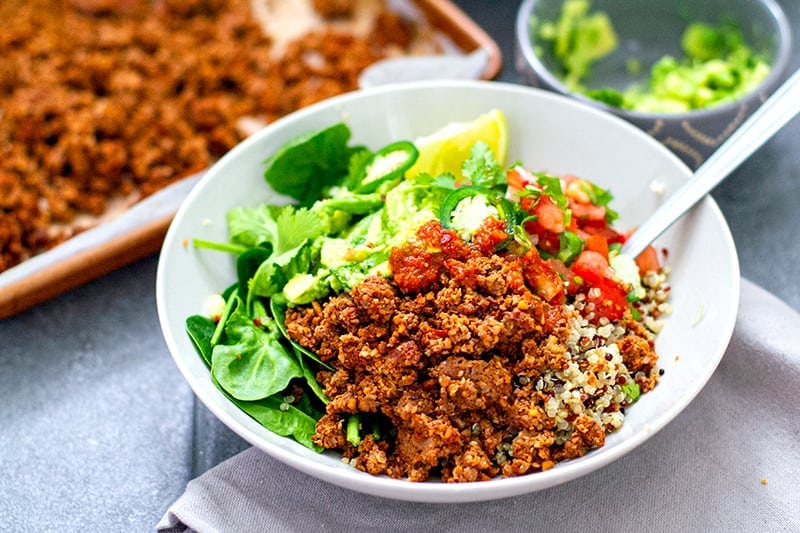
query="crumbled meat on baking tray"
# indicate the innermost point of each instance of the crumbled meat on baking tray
(106, 101)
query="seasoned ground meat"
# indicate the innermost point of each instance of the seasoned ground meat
(462, 369)
(108, 101)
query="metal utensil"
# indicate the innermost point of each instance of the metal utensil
(773, 114)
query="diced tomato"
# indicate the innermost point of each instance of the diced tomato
(610, 301)
(549, 215)
(611, 235)
(489, 235)
(597, 243)
(648, 261)
(548, 241)
(591, 266)
(548, 224)
(574, 188)
(587, 212)
(610, 297)
(565, 274)
(539, 274)
(516, 182)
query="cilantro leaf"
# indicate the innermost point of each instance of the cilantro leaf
(603, 197)
(295, 225)
(570, 246)
(551, 185)
(253, 226)
(481, 168)
(275, 272)
(442, 181)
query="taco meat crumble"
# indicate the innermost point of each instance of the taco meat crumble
(463, 371)
(107, 101)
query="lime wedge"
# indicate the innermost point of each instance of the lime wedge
(445, 150)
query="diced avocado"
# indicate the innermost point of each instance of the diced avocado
(579, 39)
(704, 42)
(305, 288)
(408, 207)
(717, 65)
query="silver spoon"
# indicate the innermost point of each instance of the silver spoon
(773, 114)
(415, 68)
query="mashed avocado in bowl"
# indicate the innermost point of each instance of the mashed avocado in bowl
(686, 72)
(716, 66)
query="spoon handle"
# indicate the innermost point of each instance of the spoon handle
(773, 114)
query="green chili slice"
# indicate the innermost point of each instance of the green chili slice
(386, 165)
(454, 198)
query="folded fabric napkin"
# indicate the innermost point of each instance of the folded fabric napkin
(729, 462)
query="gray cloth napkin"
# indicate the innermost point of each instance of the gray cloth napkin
(729, 462)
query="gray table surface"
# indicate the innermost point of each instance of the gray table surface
(99, 431)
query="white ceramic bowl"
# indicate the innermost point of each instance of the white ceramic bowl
(547, 132)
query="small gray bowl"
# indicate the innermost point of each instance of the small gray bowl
(647, 30)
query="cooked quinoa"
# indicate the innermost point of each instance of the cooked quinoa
(463, 372)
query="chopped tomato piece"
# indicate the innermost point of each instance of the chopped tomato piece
(588, 212)
(610, 234)
(565, 274)
(574, 188)
(516, 181)
(548, 241)
(547, 283)
(606, 293)
(549, 215)
(648, 261)
(490, 235)
(592, 266)
(609, 299)
(597, 243)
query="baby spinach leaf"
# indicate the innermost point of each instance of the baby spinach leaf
(309, 163)
(305, 404)
(278, 311)
(282, 418)
(254, 364)
(313, 384)
(247, 265)
(201, 330)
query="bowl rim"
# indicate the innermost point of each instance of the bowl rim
(434, 492)
(767, 85)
